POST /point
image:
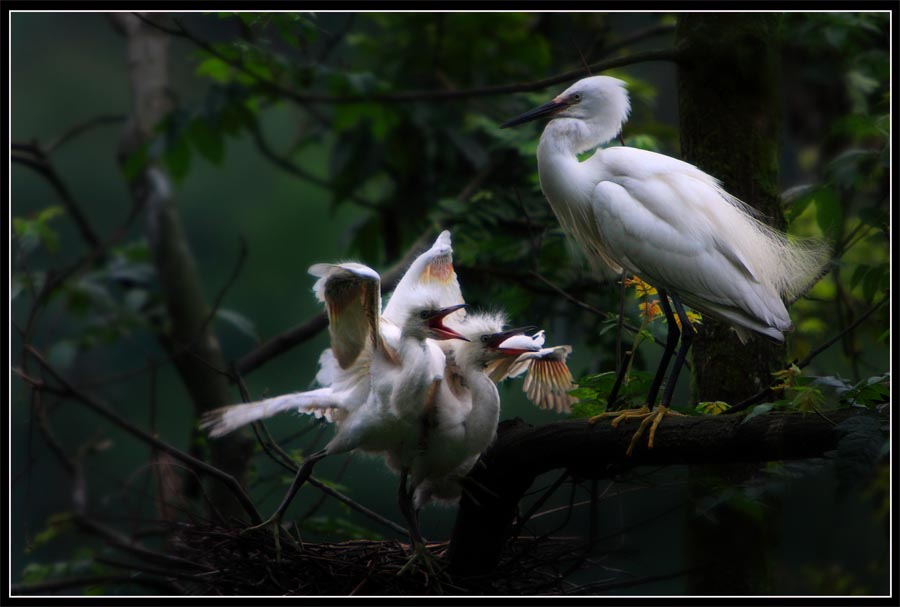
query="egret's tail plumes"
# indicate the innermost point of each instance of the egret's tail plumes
(791, 267)
(223, 420)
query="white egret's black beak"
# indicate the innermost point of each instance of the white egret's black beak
(498, 338)
(437, 328)
(539, 112)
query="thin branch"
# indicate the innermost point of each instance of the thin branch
(40, 165)
(129, 545)
(415, 95)
(638, 36)
(235, 272)
(82, 127)
(98, 407)
(292, 168)
(586, 306)
(767, 391)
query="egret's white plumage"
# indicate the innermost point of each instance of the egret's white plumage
(663, 219)
(548, 380)
(376, 388)
(466, 410)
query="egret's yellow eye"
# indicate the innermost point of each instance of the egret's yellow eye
(576, 97)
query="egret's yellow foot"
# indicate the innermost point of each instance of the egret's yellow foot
(620, 415)
(651, 419)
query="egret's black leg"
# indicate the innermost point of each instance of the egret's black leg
(687, 338)
(671, 341)
(411, 514)
(644, 411)
(404, 499)
(303, 473)
(651, 415)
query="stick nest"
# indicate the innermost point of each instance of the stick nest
(225, 561)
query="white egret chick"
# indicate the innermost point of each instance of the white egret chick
(463, 422)
(382, 377)
(467, 409)
(667, 222)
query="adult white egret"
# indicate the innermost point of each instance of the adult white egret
(669, 223)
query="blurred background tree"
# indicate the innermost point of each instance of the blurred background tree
(276, 140)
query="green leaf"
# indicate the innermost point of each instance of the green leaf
(207, 140)
(135, 162)
(35, 229)
(177, 158)
(868, 392)
(757, 411)
(215, 68)
(807, 398)
(828, 211)
(588, 408)
(715, 407)
(56, 525)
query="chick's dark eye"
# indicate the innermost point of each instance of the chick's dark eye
(485, 338)
(423, 314)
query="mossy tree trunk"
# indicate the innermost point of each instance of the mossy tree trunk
(188, 336)
(729, 112)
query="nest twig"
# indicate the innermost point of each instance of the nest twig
(237, 563)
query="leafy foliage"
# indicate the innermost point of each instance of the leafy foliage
(406, 164)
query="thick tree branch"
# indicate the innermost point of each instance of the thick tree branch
(522, 452)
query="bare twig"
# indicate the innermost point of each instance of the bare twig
(292, 168)
(235, 272)
(99, 407)
(593, 310)
(42, 166)
(82, 127)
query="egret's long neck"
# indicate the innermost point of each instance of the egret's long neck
(417, 374)
(563, 178)
(481, 425)
(569, 184)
